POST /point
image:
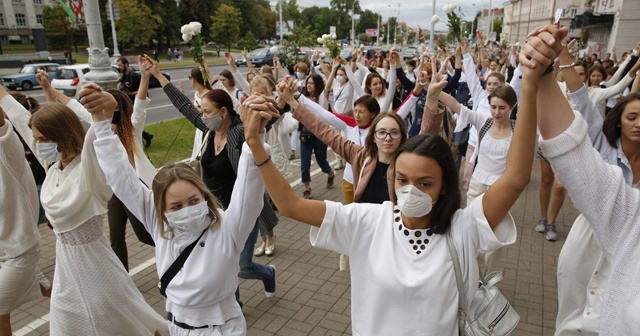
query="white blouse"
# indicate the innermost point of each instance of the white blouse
(402, 281)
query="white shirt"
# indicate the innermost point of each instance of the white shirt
(394, 290)
(492, 154)
(600, 192)
(202, 293)
(197, 139)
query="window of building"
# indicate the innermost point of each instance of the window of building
(17, 1)
(20, 20)
(4, 39)
(25, 39)
(39, 18)
(573, 13)
(1, 19)
(37, 2)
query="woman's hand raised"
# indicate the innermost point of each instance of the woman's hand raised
(99, 103)
(255, 112)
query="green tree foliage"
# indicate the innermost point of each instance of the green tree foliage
(368, 20)
(225, 25)
(300, 37)
(137, 23)
(248, 41)
(58, 28)
(497, 27)
(364, 38)
(170, 27)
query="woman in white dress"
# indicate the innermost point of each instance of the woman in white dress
(399, 253)
(92, 293)
(20, 276)
(178, 211)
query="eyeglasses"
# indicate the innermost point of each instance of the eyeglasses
(382, 134)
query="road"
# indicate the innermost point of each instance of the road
(160, 108)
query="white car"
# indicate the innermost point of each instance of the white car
(70, 78)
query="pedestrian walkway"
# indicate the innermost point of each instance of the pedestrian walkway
(313, 296)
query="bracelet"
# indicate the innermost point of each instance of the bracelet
(562, 67)
(263, 163)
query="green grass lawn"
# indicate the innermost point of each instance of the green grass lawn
(172, 141)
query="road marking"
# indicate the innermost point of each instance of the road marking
(38, 322)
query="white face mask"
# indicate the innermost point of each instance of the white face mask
(340, 79)
(413, 202)
(48, 151)
(190, 219)
(213, 123)
(300, 75)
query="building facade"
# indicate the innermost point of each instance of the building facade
(18, 17)
(526, 15)
(485, 19)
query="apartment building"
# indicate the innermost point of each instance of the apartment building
(522, 16)
(18, 17)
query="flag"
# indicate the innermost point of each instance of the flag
(66, 8)
(77, 7)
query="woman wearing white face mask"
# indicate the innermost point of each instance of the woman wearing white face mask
(180, 211)
(220, 162)
(399, 255)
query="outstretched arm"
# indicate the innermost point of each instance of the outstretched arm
(288, 203)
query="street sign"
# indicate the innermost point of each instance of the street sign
(116, 11)
(332, 30)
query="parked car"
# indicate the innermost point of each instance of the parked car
(153, 81)
(262, 56)
(346, 54)
(410, 52)
(26, 77)
(69, 79)
(241, 61)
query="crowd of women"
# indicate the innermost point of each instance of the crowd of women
(401, 132)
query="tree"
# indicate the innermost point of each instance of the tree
(368, 20)
(137, 23)
(170, 28)
(225, 25)
(364, 38)
(58, 28)
(475, 27)
(497, 28)
(248, 41)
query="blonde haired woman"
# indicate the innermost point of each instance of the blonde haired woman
(178, 211)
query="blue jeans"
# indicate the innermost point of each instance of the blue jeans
(249, 269)
(313, 144)
(295, 135)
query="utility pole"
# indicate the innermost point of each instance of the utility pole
(395, 28)
(353, 31)
(378, 32)
(99, 63)
(116, 52)
(433, 27)
(280, 26)
(490, 19)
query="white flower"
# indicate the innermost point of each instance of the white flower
(320, 40)
(185, 29)
(333, 36)
(325, 36)
(274, 50)
(196, 27)
(448, 9)
(187, 37)
(435, 19)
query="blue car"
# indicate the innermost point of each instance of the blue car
(26, 77)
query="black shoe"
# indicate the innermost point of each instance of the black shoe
(147, 138)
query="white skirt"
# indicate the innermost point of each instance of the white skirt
(92, 292)
(20, 280)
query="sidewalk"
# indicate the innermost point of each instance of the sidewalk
(313, 296)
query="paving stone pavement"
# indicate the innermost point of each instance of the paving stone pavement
(313, 296)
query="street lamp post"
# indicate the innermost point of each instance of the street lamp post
(99, 63)
(433, 26)
(280, 25)
(116, 52)
(395, 28)
(353, 31)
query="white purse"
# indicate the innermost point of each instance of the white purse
(490, 313)
(196, 164)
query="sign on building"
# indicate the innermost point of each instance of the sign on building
(371, 32)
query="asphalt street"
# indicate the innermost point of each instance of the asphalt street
(160, 108)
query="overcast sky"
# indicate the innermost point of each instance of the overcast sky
(416, 12)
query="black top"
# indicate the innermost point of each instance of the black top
(218, 174)
(130, 83)
(377, 190)
(36, 168)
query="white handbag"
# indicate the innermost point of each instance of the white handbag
(490, 313)
(196, 164)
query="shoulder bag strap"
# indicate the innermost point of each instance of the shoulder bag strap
(462, 312)
(204, 145)
(177, 265)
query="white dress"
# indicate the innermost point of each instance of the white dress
(92, 292)
(402, 281)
